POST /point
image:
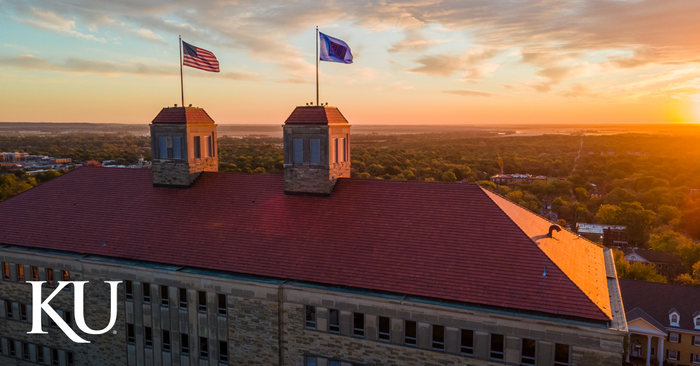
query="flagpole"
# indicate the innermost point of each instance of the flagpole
(182, 83)
(317, 65)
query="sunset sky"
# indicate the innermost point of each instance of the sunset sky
(416, 62)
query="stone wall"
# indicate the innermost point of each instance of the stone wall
(252, 328)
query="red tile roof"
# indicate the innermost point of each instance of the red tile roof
(442, 241)
(182, 115)
(581, 260)
(316, 115)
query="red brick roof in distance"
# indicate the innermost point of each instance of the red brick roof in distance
(453, 242)
(182, 115)
(317, 115)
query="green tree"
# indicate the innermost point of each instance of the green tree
(449, 177)
(689, 254)
(579, 212)
(491, 186)
(581, 195)
(668, 215)
(10, 186)
(636, 271)
(638, 221)
(608, 214)
(667, 241)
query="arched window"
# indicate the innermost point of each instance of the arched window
(674, 318)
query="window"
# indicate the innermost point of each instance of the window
(20, 273)
(202, 301)
(148, 336)
(438, 338)
(358, 321)
(310, 318)
(197, 147)
(298, 153)
(345, 154)
(466, 346)
(672, 355)
(54, 356)
(128, 290)
(497, 347)
(203, 348)
(166, 341)
(8, 309)
(39, 354)
(213, 144)
(65, 275)
(222, 304)
(130, 337)
(696, 340)
(23, 312)
(695, 358)
(184, 344)
(529, 350)
(68, 317)
(177, 148)
(315, 151)
(675, 318)
(697, 322)
(674, 337)
(310, 361)
(182, 295)
(11, 344)
(35, 273)
(25, 350)
(335, 150)
(334, 363)
(49, 277)
(208, 146)
(164, 296)
(223, 351)
(5, 271)
(146, 290)
(69, 359)
(561, 354)
(163, 148)
(334, 321)
(410, 336)
(384, 329)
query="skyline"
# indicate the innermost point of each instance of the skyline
(427, 62)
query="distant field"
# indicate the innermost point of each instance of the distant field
(39, 128)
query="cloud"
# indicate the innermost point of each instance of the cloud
(445, 65)
(108, 68)
(414, 41)
(472, 93)
(48, 20)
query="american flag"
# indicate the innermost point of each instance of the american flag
(199, 58)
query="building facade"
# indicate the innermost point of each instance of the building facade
(664, 323)
(230, 270)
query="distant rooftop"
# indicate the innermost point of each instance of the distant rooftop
(316, 115)
(182, 115)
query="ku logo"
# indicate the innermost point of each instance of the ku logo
(38, 306)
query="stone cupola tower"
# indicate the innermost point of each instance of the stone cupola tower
(183, 145)
(316, 150)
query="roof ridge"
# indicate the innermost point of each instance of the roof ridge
(485, 192)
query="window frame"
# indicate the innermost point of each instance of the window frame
(315, 151)
(568, 356)
(462, 346)
(678, 319)
(184, 344)
(497, 353)
(165, 340)
(146, 292)
(35, 273)
(50, 282)
(358, 332)
(197, 147)
(297, 151)
(222, 310)
(182, 298)
(20, 273)
(383, 336)
(671, 336)
(223, 351)
(435, 342)
(676, 357)
(310, 317)
(202, 307)
(406, 337)
(148, 337)
(203, 348)
(129, 290)
(334, 327)
(164, 300)
(523, 357)
(130, 334)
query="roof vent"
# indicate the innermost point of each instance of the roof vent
(552, 229)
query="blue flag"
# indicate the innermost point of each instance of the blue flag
(334, 50)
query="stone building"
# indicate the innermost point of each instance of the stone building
(223, 268)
